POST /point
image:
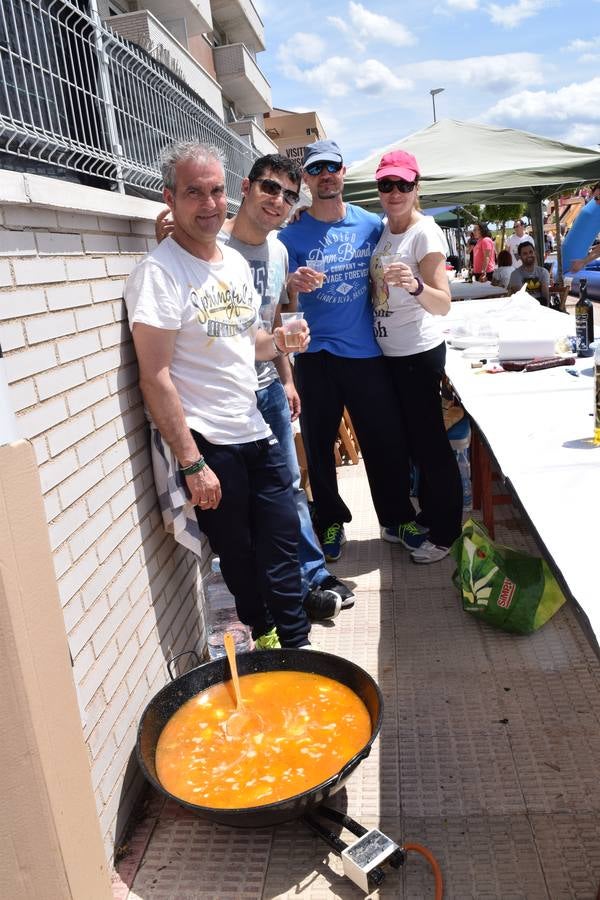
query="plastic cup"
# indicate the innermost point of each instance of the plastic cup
(318, 267)
(390, 259)
(291, 323)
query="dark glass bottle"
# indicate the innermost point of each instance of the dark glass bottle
(584, 320)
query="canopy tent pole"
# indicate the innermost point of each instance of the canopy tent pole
(536, 214)
(559, 261)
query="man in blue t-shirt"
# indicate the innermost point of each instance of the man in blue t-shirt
(344, 366)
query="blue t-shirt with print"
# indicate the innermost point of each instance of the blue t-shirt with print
(340, 314)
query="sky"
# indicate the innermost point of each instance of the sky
(367, 70)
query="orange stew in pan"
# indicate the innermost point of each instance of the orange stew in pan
(308, 727)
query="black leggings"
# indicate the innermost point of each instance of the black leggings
(417, 382)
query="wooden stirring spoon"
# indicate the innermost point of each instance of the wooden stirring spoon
(243, 720)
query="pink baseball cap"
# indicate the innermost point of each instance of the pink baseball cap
(398, 163)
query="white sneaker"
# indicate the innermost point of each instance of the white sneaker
(429, 553)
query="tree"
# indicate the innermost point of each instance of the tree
(501, 213)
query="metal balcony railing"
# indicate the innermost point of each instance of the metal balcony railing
(76, 96)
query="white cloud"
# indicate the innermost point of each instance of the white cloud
(587, 51)
(363, 27)
(569, 113)
(512, 15)
(483, 73)
(574, 102)
(301, 48)
(373, 77)
(579, 46)
(340, 75)
(582, 134)
(466, 5)
(370, 26)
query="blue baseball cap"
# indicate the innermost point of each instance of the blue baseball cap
(321, 151)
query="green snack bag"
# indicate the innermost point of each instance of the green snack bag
(504, 587)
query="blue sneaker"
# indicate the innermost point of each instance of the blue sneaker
(332, 539)
(409, 534)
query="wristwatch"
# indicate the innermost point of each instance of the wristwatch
(419, 289)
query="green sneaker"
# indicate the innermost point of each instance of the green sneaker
(268, 641)
(332, 539)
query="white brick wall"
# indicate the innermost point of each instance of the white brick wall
(131, 597)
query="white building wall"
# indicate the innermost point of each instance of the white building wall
(131, 597)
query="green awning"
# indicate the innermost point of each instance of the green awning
(462, 162)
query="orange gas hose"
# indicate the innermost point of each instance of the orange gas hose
(437, 872)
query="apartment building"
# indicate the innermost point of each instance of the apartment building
(293, 131)
(212, 45)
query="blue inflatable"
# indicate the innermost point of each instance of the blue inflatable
(581, 236)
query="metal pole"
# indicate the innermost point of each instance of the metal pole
(106, 95)
(433, 102)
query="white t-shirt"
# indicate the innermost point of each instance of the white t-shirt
(501, 275)
(513, 243)
(402, 326)
(214, 309)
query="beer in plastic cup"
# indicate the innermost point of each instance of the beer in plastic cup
(291, 322)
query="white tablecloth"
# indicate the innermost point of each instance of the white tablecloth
(539, 427)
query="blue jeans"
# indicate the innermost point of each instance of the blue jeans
(273, 405)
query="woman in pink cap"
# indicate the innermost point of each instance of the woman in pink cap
(410, 295)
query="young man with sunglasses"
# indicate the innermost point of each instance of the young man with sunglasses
(268, 193)
(194, 316)
(344, 367)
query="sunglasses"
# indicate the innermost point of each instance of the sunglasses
(274, 189)
(386, 186)
(317, 168)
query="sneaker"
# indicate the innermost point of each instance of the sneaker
(332, 539)
(320, 604)
(268, 641)
(429, 553)
(331, 583)
(409, 534)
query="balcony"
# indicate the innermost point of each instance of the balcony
(241, 80)
(248, 130)
(144, 29)
(239, 21)
(196, 13)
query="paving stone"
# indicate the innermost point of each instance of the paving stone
(488, 753)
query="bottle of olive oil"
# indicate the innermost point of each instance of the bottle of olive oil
(597, 394)
(584, 320)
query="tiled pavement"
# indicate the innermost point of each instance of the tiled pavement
(489, 753)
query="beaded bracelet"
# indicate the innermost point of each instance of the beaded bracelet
(194, 467)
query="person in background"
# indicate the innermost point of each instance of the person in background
(594, 253)
(517, 238)
(345, 367)
(268, 193)
(535, 278)
(410, 297)
(470, 244)
(194, 316)
(504, 269)
(484, 253)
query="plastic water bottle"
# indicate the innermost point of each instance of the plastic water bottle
(221, 614)
(459, 436)
(464, 467)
